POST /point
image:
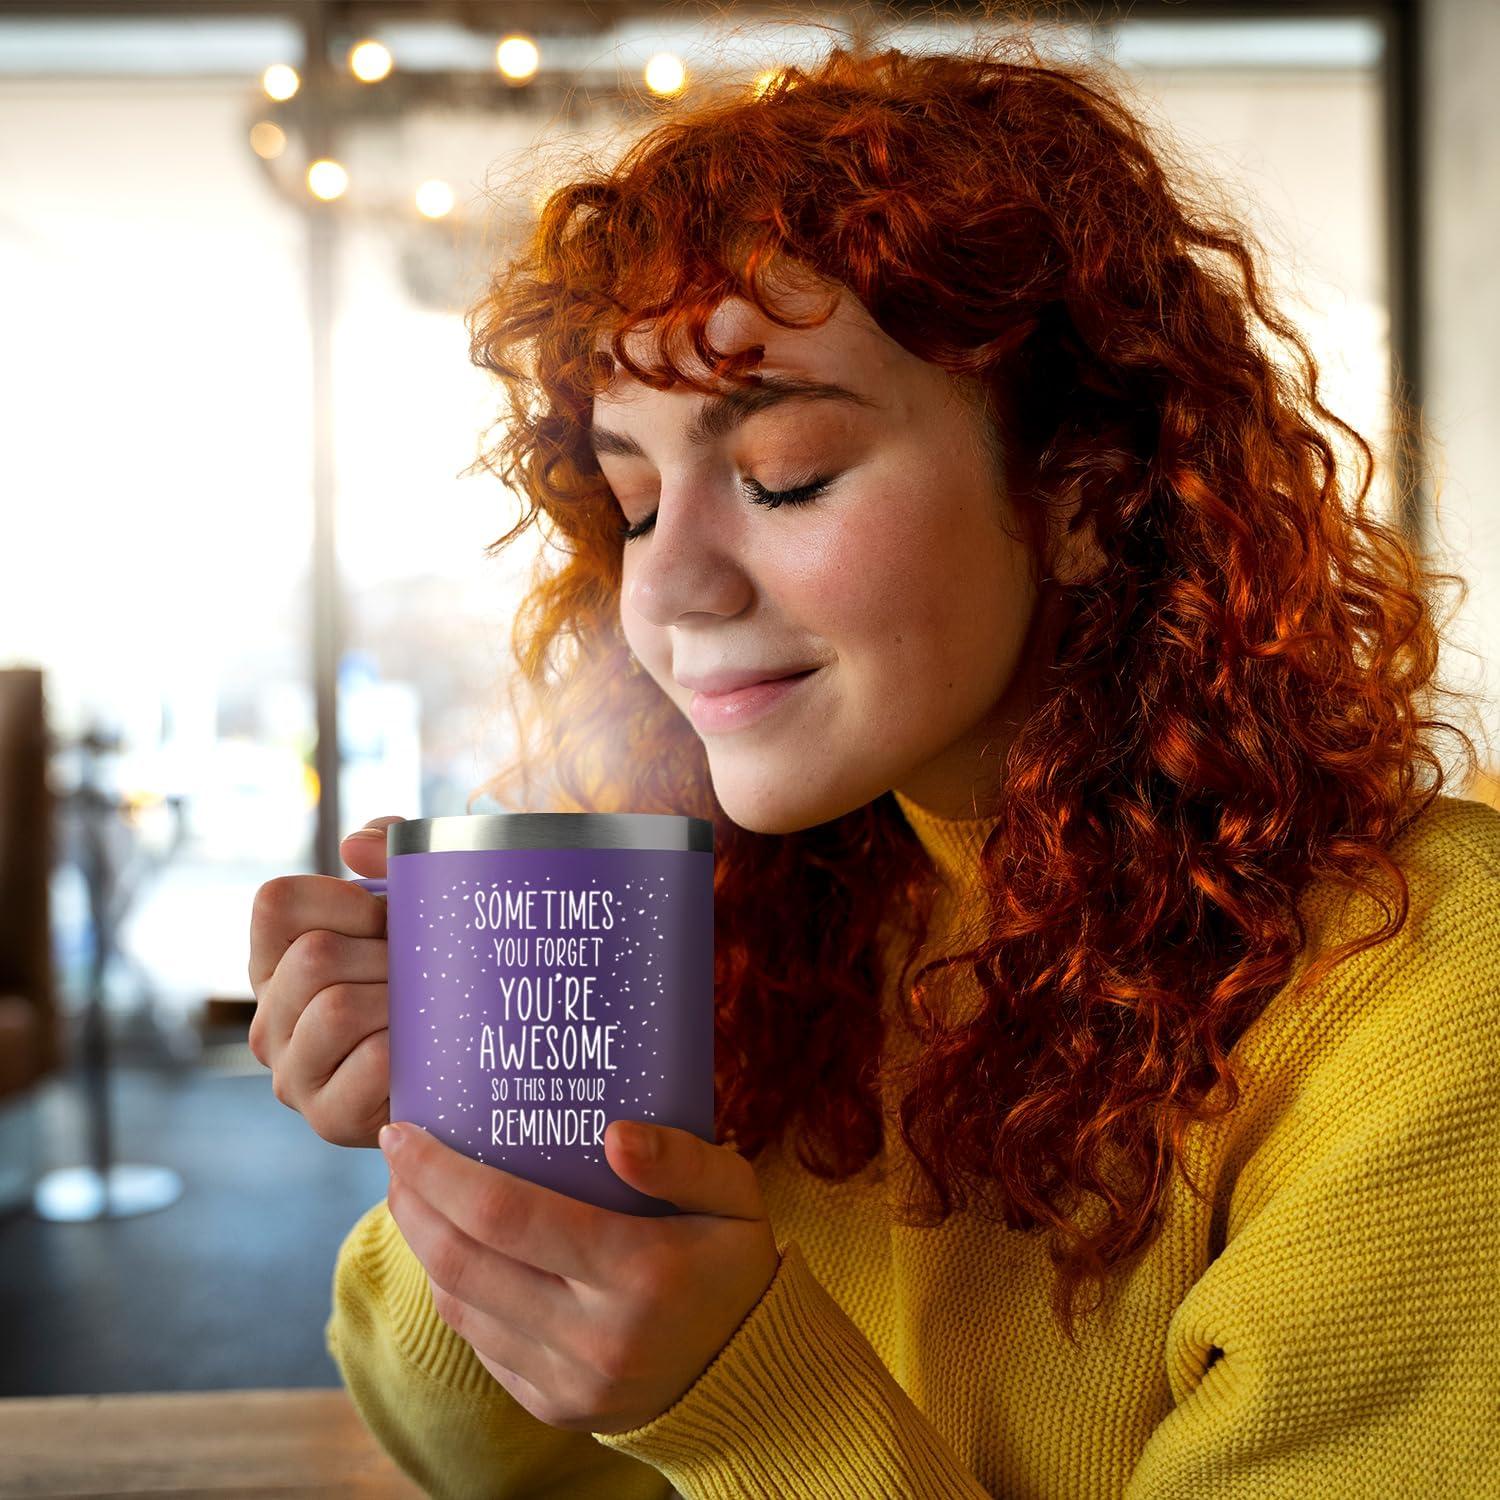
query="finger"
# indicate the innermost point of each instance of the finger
(364, 856)
(528, 1307)
(364, 849)
(291, 905)
(351, 1106)
(315, 961)
(334, 1023)
(543, 1229)
(694, 1175)
(485, 1334)
(521, 1390)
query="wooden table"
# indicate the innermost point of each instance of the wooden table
(219, 1443)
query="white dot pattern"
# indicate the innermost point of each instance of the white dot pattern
(527, 1034)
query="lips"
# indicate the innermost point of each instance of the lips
(740, 707)
(729, 680)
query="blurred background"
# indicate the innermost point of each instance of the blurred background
(246, 605)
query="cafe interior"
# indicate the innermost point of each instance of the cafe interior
(248, 607)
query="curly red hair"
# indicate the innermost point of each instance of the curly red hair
(1237, 701)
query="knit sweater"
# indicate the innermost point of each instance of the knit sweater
(1325, 1324)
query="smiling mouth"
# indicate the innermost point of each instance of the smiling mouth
(745, 687)
(714, 713)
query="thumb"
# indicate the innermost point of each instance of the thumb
(684, 1169)
(364, 849)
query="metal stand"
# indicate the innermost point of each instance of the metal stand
(103, 1189)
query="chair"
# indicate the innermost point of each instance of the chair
(30, 1040)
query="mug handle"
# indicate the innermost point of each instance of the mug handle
(374, 884)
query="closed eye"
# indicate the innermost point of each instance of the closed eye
(756, 493)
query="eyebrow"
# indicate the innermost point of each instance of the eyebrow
(722, 413)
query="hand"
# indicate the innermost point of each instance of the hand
(595, 1321)
(318, 966)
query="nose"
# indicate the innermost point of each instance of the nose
(687, 564)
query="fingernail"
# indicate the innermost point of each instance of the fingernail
(391, 1138)
(368, 833)
(641, 1142)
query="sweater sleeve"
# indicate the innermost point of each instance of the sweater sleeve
(1346, 1342)
(443, 1418)
(797, 1403)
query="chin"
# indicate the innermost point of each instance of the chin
(774, 809)
(767, 825)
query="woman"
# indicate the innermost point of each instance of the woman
(1089, 914)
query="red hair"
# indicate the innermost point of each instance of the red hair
(1235, 703)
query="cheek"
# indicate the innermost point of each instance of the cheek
(914, 582)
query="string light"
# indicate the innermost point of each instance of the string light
(434, 199)
(326, 179)
(517, 58)
(665, 74)
(280, 81)
(765, 82)
(267, 140)
(370, 61)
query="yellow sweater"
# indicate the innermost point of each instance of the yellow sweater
(1327, 1326)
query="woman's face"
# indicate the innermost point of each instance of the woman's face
(898, 584)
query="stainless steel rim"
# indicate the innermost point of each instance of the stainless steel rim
(550, 830)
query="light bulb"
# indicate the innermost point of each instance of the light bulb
(280, 81)
(434, 199)
(665, 74)
(370, 61)
(326, 179)
(517, 57)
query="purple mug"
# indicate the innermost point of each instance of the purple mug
(548, 973)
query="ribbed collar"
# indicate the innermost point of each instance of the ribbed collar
(952, 844)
